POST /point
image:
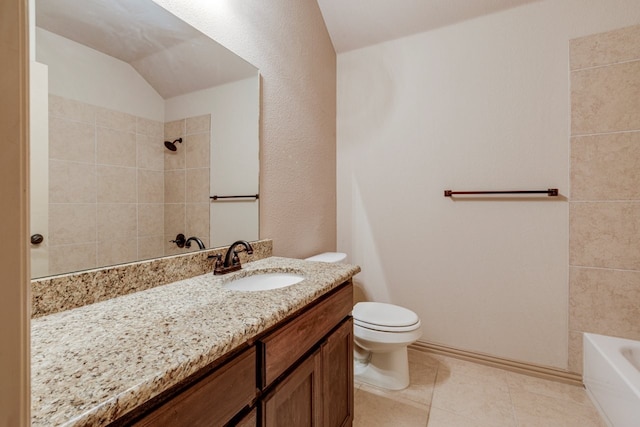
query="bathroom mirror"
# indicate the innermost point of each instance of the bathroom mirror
(138, 119)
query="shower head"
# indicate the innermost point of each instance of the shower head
(172, 145)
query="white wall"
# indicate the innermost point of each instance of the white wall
(235, 115)
(84, 74)
(483, 104)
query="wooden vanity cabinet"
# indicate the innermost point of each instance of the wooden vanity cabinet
(317, 389)
(319, 392)
(298, 374)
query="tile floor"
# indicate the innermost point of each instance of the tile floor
(448, 392)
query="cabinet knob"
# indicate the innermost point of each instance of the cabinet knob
(36, 239)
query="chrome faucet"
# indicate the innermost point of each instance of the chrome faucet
(195, 239)
(231, 260)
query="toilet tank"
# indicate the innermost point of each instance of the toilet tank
(333, 257)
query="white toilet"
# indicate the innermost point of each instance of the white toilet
(381, 333)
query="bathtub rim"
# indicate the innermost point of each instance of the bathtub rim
(610, 348)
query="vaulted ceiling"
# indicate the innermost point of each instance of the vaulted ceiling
(172, 56)
(159, 46)
(353, 24)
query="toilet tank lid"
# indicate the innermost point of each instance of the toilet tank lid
(328, 257)
(379, 313)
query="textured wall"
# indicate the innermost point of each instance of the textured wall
(605, 188)
(483, 104)
(288, 42)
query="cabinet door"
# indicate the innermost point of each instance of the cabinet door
(337, 376)
(297, 400)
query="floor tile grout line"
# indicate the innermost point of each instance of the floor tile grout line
(514, 414)
(433, 391)
(513, 388)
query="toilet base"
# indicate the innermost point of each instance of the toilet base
(388, 370)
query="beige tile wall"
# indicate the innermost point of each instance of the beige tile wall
(97, 217)
(604, 218)
(186, 181)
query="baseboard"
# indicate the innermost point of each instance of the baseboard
(538, 371)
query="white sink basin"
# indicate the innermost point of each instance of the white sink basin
(263, 282)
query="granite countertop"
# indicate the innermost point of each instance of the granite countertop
(92, 364)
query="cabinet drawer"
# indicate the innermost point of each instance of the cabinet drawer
(212, 401)
(282, 348)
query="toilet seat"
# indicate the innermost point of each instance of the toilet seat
(385, 317)
(383, 328)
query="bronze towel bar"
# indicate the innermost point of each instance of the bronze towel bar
(251, 196)
(551, 192)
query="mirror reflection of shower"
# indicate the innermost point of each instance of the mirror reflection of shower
(105, 105)
(172, 145)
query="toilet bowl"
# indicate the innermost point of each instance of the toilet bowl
(382, 333)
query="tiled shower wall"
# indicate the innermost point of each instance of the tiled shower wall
(107, 186)
(186, 181)
(604, 222)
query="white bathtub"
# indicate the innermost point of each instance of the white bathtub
(612, 378)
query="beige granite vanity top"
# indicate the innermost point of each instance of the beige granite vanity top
(92, 364)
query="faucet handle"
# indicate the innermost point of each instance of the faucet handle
(179, 241)
(236, 259)
(218, 258)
